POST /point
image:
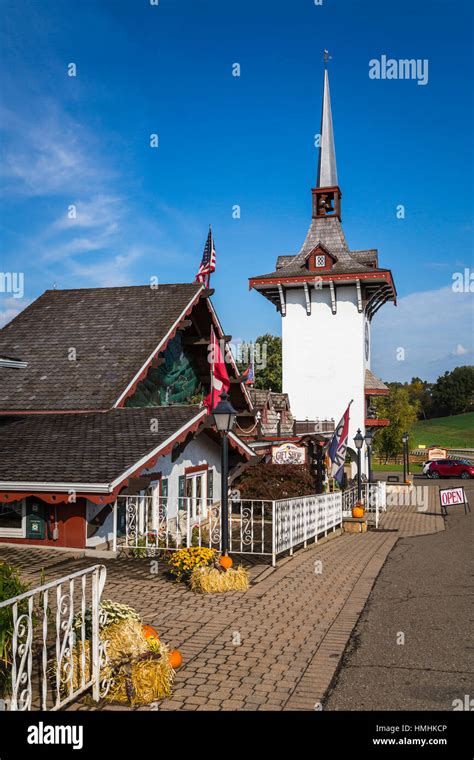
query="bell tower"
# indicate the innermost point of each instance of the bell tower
(327, 296)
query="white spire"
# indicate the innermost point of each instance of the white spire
(327, 171)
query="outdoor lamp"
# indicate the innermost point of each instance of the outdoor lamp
(224, 418)
(405, 437)
(358, 440)
(368, 437)
(224, 414)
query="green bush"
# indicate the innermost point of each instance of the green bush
(10, 585)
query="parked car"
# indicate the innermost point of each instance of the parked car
(450, 468)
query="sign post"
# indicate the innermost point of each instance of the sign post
(450, 496)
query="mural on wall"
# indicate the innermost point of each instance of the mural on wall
(173, 382)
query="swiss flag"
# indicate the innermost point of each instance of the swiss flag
(219, 378)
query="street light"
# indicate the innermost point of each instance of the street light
(368, 442)
(405, 456)
(224, 418)
(358, 442)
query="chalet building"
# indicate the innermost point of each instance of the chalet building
(101, 395)
(327, 296)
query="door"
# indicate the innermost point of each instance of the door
(195, 490)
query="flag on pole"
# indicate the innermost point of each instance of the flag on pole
(208, 261)
(337, 448)
(220, 382)
(250, 373)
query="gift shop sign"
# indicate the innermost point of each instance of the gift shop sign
(288, 453)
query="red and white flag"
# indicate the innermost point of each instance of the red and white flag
(219, 378)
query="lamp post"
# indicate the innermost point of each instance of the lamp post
(368, 442)
(224, 418)
(405, 456)
(358, 442)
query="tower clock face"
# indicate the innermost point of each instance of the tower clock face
(367, 342)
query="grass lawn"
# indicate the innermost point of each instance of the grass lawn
(415, 468)
(454, 432)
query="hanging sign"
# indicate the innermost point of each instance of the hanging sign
(288, 453)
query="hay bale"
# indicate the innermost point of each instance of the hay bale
(209, 580)
(138, 668)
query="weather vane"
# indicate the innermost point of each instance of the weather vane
(326, 58)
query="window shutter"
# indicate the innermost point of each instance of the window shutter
(210, 483)
(181, 481)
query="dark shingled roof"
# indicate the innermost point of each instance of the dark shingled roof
(326, 231)
(85, 448)
(113, 331)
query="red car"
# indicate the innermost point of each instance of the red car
(451, 468)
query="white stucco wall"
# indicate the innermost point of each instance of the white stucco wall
(201, 450)
(324, 356)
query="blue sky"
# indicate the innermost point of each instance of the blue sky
(247, 140)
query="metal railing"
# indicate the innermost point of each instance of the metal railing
(256, 526)
(374, 498)
(55, 653)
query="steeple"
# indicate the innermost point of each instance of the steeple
(327, 170)
(326, 194)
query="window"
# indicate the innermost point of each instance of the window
(320, 260)
(12, 519)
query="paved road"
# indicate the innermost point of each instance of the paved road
(424, 594)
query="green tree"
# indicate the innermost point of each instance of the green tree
(420, 391)
(402, 414)
(453, 392)
(266, 351)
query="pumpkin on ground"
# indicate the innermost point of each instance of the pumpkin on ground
(149, 632)
(225, 562)
(175, 659)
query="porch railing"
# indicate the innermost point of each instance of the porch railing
(54, 652)
(256, 526)
(374, 497)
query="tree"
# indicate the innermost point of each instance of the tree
(453, 392)
(420, 391)
(402, 414)
(266, 353)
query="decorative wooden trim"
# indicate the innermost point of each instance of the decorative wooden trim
(307, 298)
(376, 423)
(196, 468)
(359, 296)
(282, 300)
(132, 386)
(333, 297)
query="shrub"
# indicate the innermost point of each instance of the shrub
(275, 481)
(183, 561)
(10, 585)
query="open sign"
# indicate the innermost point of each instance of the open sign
(451, 496)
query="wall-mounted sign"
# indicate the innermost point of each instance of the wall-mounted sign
(449, 497)
(437, 453)
(288, 453)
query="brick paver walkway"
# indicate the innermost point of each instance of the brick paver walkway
(275, 647)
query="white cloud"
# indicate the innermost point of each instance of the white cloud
(10, 307)
(48, 153)
(459, 350)
(425, 325)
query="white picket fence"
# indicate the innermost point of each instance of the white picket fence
(56, 652)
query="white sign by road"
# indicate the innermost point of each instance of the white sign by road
(450, 496)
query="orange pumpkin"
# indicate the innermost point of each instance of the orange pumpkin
(175, 659)
(225, 562)
(358, 511)
(149, 632)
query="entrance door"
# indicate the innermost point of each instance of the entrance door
(195, 495)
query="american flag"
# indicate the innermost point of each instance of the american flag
(208, 263)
